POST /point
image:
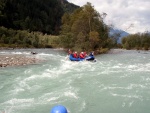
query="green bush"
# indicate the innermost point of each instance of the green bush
(9, 38)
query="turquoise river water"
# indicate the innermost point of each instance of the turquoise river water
(119, 82)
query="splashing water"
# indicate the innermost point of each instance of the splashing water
(116, 83)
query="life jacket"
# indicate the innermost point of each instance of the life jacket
(81, 55)
(85, 54)
(75, 55)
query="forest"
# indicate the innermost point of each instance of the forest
(138, 41)
(32, 23)
(34, 15)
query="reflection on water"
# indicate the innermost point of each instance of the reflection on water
(118, 82)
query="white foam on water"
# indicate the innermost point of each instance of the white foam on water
(68, 66)
(20, 53)
(71, 94)
(82, 106)
(57, 96)
(138, 86)
(3, 52)
(19, 102)
(45, 54)
(120, 68)
(52, 97)
(50, 56)
(117, 67)
(31, 78)
(128, 96)
(16, 90)
(54, 73)
(15, 104)
(143, 68)
(47, 73)
(139, 67)
(23, 83)
(27, 71)
(129, 87)
(19, 87)
(103, 88)
(13, 52)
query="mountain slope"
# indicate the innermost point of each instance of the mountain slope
(118, 34)
(34, 15)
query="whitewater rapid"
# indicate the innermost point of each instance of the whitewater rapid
(119, 82)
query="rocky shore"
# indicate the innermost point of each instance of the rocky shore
(17, 60)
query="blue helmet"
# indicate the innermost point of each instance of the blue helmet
(59, 109)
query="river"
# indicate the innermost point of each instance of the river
(118, 82)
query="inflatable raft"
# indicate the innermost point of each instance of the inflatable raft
(88, 58)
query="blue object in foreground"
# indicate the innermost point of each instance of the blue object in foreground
(59, 109)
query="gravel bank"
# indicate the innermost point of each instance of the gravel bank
(17, 60)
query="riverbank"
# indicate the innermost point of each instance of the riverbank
(17, 60)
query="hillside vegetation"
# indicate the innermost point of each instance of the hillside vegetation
(137, 41)
(34, 15)
(24, 39)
